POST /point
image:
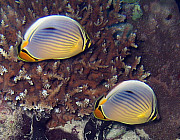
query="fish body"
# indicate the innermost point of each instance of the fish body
(130, 102)
(53, 37)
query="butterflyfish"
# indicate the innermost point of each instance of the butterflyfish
(130, 102)
(53, 37)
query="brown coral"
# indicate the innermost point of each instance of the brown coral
(70, 86)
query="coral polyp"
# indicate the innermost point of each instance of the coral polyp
(10, 121)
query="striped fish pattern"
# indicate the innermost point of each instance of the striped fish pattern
(53, 37)
(130, 102)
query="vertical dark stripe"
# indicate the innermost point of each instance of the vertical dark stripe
(97, 101)
(19, 47)
(88, 41)
(153, 111)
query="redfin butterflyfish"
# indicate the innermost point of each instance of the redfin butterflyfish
(130, 102)
(53, 37)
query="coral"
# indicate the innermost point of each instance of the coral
(2, 70)
(22, 75)
(74, 127)
(133, 9)
(137, 12)
(142, 134)
(10, 121)
(67, 87)
(130, 135)
(116, 131)
(130, 1)
(119, 132)
(98, 129)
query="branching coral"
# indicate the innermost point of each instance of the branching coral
(69, 86)
(10, 121)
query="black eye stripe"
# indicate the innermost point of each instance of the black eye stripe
(97, 102)
(19, 47)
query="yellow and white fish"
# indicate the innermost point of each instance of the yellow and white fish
(130, 102)
(53, 37)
